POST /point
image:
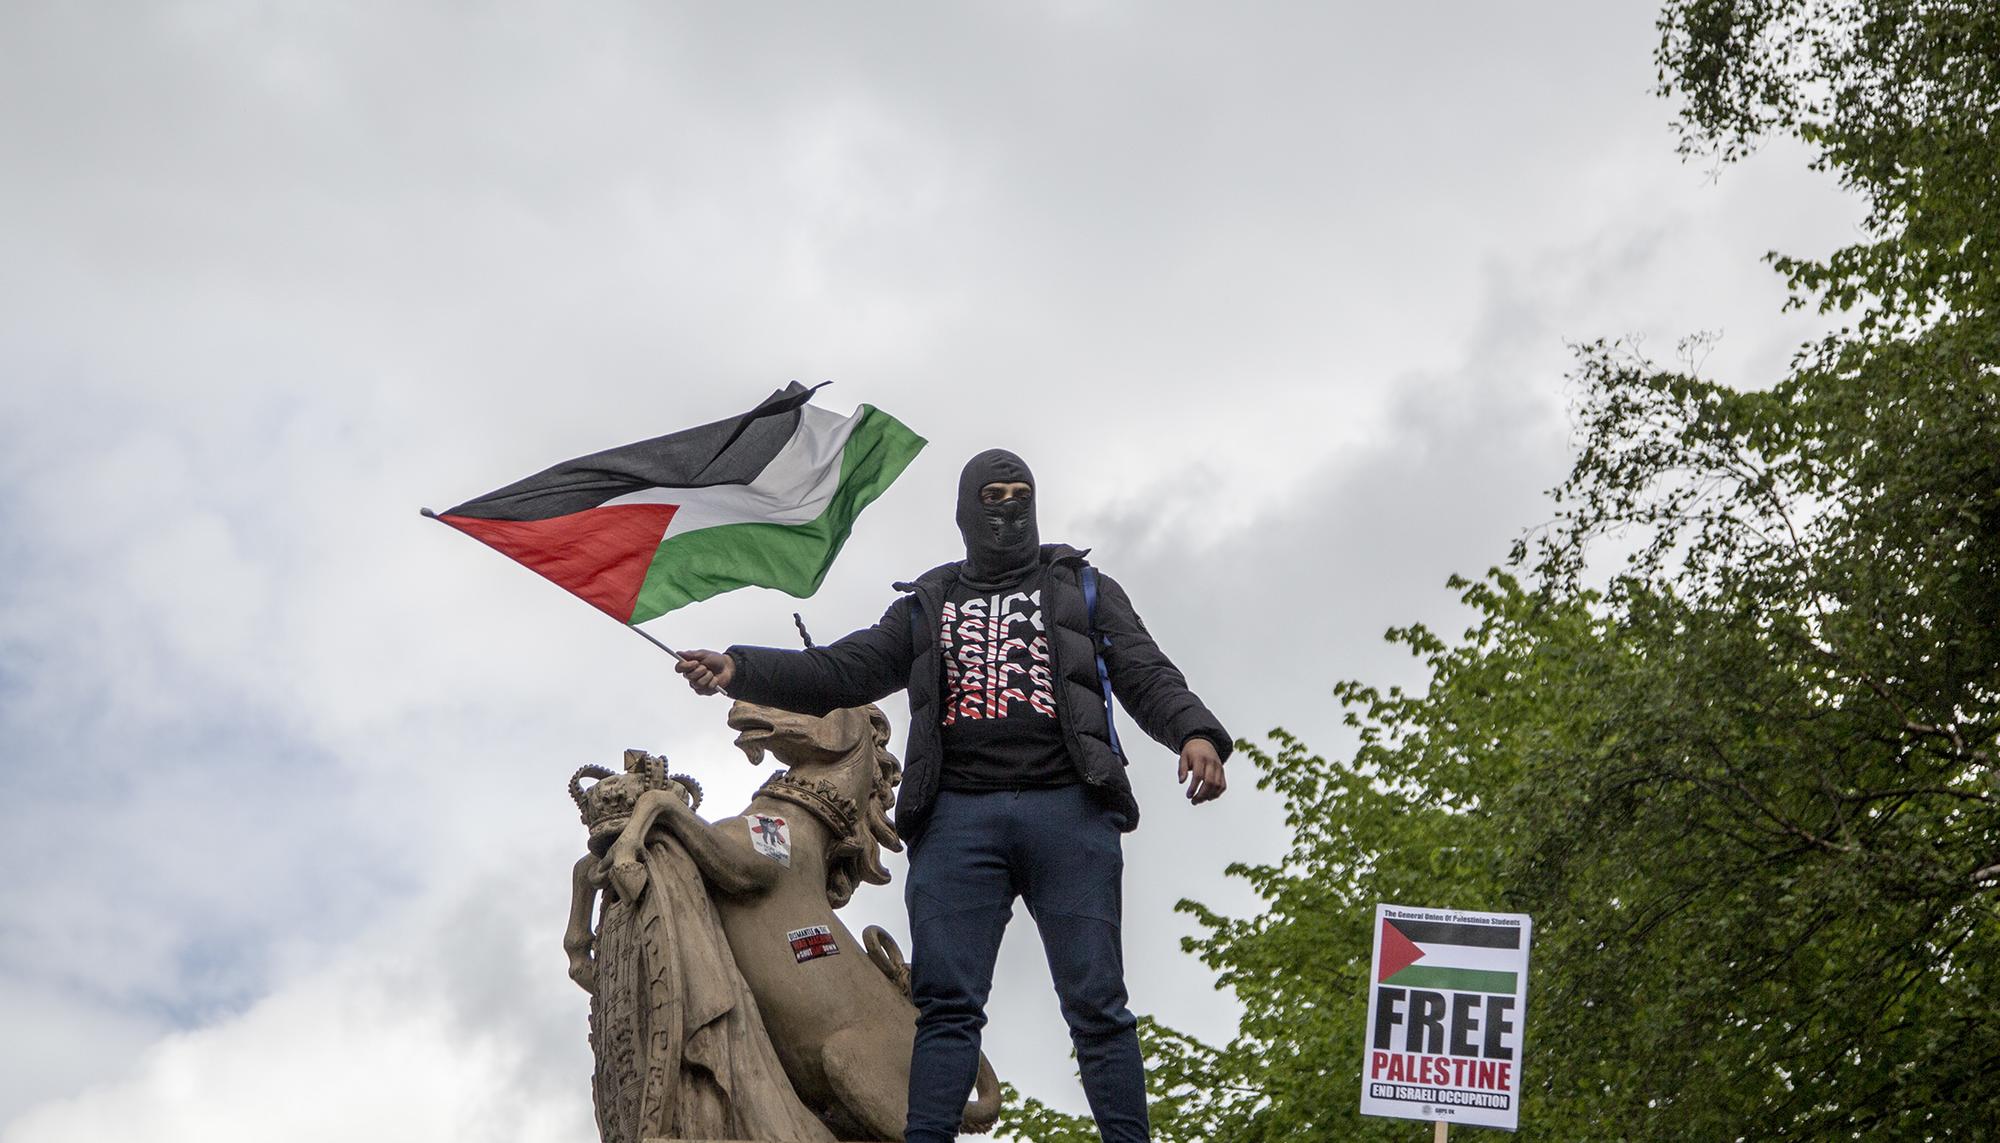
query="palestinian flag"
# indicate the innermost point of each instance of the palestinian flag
(1449, 956)
(763, 499)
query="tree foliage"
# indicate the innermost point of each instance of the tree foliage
(1897, 97)
(1727, 727)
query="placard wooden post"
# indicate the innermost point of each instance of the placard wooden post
(1442, 1132)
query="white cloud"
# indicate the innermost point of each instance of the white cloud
(445, 1024)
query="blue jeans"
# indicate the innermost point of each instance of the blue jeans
(1060, 850)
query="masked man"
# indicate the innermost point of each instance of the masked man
(1014, 782)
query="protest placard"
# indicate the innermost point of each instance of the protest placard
(1447, 1002)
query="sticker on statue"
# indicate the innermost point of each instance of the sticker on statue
(772, 838)
(812, 943)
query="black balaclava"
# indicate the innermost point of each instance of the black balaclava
(1002, 544)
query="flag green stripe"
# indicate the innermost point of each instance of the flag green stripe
(1456, 979)
(793, 558)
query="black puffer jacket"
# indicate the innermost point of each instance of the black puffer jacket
(901, 650)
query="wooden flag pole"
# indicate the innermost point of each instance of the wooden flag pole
(430, 515)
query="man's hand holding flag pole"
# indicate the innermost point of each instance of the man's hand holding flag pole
(765, 499)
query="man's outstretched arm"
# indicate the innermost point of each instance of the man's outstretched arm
(859, 668)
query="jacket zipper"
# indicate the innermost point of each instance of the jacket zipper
(1072, 737)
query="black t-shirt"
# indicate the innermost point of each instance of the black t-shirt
(999, 713)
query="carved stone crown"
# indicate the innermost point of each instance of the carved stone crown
(606, 804)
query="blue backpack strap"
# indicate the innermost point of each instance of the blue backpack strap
(1098, 643)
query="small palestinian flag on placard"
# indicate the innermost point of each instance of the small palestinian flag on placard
(1450, 957)
(764, 499)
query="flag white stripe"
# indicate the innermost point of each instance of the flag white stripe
(1440, 955)
(794, 488)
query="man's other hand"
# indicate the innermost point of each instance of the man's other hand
(1200, 762)
(708, 672)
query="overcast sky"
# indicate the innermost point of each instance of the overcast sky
(1273, 296)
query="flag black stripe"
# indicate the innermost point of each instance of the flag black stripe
(730, 451)
(1448, 933)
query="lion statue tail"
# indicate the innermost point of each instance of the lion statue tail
(984, 1110)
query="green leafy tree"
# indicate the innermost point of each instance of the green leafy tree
(1898, 98)
(1738, 763)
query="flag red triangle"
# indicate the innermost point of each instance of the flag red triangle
(1398, 952)
(599, 554)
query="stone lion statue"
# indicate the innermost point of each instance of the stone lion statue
(728, 1001)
